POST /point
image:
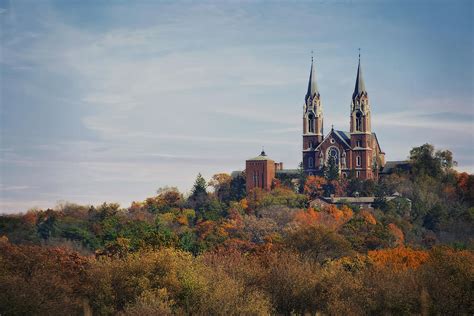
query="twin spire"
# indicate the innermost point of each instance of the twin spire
(359, 88)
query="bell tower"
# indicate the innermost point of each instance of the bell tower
(361, 132)
(312, 122)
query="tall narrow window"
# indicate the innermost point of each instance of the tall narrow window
(334, 153)
(358, 174)
(311, 123)
(255, 178)
(358, 161)
(310, 162)
(311, 144)
(358, 121)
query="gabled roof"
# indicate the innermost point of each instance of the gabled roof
(343, 136)
(346, 136)
(312, 85)
(378, 144)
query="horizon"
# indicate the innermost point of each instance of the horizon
(111, 101)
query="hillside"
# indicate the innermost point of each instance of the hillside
(222, 250)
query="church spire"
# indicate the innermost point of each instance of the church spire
(312, 85)
(359, 88)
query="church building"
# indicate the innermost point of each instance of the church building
(357, 151)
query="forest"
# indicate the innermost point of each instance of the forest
(220, 250)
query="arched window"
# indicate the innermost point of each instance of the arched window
(358, 121)
(358, 161)
(343, 160)
(311, 123)
(310, 162)
(334, 153)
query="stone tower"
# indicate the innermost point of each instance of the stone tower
(312, 122)
(360, 130)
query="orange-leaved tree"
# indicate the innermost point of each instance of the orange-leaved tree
(400, 258)
(314, 186)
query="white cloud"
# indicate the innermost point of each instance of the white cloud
(195, 88)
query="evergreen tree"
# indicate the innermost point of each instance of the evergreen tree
(331, 170)
(301, 178)
(199, 187)
(198, 196)
(238, 189)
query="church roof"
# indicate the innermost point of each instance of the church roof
(360, 84)
(312, 85)
(346, 136)
(378, 144)
(262, 156)
(292, 172)
(392, 166)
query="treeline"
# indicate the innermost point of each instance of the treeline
(227, 251)
(56, 281)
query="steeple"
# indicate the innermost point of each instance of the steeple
(359, 88)
(312, 122)
(312, 85)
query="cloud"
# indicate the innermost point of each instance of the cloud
(449, 122)
(111, 101)
(14, 187)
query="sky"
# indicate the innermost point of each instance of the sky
(111, 100)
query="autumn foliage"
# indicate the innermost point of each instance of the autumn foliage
(221, 250)
(329, 216)
(399, 258)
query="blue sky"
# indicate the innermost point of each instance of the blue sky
(110, 100)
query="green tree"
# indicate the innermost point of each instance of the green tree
(198, 197)
(47, 226)
(301, 178)
(425, 160)
(238, 190)
(331, 170)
